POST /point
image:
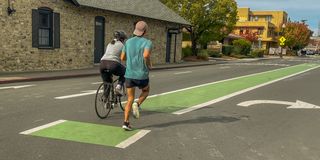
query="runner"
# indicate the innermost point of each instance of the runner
(136, 53)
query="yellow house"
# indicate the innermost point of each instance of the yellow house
(265, 25)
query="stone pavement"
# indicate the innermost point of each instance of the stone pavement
(12, 77)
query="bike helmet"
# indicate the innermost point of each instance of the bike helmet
(120, 35)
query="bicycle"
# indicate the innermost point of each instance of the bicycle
(106, 99)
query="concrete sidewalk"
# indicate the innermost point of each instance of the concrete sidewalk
(12, 77)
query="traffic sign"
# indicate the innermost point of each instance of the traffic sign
(282, 40)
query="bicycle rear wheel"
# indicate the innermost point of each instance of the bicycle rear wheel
(120, 104)
(102, 101)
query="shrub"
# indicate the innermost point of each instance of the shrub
(203, 54)
(242, 46)
(257, 53)
(227, 50)
(214, 53)
(186, 51)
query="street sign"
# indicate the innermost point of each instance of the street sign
(282, 40)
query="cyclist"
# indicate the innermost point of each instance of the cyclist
(110, 63)
(136, 53)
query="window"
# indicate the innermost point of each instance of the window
(45, 28)
(260, 31)
(269, 18)
(251, 18)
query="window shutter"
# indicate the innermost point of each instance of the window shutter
(56, 30)
(35, 28)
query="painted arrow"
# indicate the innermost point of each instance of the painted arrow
(292, 105)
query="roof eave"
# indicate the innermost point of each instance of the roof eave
(186, 23)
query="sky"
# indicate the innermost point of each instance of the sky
(297, 9)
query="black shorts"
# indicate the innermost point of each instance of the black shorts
(130, 83)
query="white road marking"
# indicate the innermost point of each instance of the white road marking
(96, 83)
(42, 127)
(256, 64)
(17, 87)
(227, 67)
(237, 93)
(179, 90)
(292, 105)
(78, 95)
(186, 72)
(132, 139)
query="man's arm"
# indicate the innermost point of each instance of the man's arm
(123, 58)
(147, 58)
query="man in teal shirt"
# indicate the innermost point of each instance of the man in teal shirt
(136, 53)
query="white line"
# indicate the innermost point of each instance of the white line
(165, 93)
(206, 84)
(236, 93)
(42, 127)
(96, 83)
(17, 87)
(183, 72)
(132, 139)
(76, 95)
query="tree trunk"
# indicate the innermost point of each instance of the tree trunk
(194, 45)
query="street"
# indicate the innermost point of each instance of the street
(218, 128)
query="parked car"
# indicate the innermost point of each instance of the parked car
(310, 52)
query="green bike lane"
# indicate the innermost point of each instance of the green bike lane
(177, 102)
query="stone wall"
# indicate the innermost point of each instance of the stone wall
(76, 37)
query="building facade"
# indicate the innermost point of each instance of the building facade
(72, 34)
(265, 25)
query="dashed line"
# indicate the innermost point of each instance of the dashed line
(186, 72)
(17, 87)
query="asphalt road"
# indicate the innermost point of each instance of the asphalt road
(222, 130)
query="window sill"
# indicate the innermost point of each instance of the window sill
(51, 48)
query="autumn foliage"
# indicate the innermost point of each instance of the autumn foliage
(250, 36)
(297, 35)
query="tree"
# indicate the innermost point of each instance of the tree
(210, 19)
(250, 36)
(297, 35)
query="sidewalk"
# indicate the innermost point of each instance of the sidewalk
(12, 77)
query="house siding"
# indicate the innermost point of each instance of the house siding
(76, 36)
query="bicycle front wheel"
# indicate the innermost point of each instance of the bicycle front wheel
(102, 101)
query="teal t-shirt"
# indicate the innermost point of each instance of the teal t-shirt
(136, 67)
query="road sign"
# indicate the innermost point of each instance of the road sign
(282, 40)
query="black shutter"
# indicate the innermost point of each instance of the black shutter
(56, 30)
(35, 28)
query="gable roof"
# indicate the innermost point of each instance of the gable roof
(145, 8)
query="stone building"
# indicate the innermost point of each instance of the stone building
(72, 34)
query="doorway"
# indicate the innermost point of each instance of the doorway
(99, 40)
